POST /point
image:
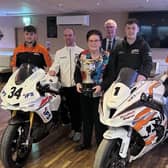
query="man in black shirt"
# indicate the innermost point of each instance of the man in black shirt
(133, 52)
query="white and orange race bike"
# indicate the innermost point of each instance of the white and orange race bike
(32, 98)
(135, 113)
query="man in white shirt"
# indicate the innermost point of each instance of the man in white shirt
(64, 65)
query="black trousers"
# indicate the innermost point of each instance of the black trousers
(73, 102)
(90, 118)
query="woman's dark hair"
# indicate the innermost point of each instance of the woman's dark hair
(94, 32)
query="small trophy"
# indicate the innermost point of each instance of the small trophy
(87, 68)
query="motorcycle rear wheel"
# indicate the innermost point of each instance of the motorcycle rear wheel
(107, 155)
(14, 152)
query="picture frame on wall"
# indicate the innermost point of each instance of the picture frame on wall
(8, 37)
(51, 27)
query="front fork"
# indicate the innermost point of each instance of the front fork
(123, 134)
(31, 119)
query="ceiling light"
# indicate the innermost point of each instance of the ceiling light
(26, 20)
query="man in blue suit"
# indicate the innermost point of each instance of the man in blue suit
(111, 40)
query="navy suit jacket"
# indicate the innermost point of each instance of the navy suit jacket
(116, 41)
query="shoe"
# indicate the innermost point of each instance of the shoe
(71, 134)
(82, 147)
(76, 136)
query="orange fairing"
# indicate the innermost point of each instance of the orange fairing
(142, 119)
(154, 85)
(142, 113)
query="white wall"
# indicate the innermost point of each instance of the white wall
(96, 21)
(8, 25)
(8, 40)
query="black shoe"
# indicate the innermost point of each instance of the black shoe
(82, 147)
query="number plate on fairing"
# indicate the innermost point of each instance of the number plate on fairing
(45, 113)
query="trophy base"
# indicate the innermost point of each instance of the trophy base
(87, 89)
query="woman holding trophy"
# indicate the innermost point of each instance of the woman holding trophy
(88, 77)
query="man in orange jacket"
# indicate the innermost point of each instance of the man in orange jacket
(31, 52)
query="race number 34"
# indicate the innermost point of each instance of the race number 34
(15, 92)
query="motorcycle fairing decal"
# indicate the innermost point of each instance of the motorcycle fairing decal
(143, 121)
(131, 107)
(128, 115)
(114, 97)
(14, 91)
(142, 113)
(154, 85)
(28, 95)
(45, 100)
(150, 139)
(45, 113)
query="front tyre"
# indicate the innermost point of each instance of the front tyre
(14, 150)
(107, 155)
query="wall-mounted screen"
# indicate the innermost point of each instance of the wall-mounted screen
(153, 27)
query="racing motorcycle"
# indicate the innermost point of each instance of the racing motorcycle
(135, 113)
(33, 99)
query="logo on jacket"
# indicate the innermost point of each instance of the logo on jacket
(63, 57)
(135, 51)
(121, 52)
(76, 58)
(36, 53)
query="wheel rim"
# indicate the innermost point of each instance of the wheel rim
(114, 160)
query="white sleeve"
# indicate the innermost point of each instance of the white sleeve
(55, 65)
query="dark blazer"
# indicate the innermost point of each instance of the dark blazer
(116, 41)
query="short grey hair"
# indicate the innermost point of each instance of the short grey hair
(110, 21)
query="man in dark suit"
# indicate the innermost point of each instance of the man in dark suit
(110, 42)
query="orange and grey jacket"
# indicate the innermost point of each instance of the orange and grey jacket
(36, 55)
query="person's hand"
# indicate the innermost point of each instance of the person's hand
(78, 87)
(97, 88)
(14, 69)
(141, 78)
(52, 73)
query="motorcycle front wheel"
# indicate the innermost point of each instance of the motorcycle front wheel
(107, 155)
(14, 149)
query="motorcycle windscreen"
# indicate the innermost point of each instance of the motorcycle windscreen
(127, 76)
(24, 72)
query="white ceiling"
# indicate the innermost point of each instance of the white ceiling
(60, 7)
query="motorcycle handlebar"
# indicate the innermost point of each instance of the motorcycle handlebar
(42, 89)
(53, 91)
